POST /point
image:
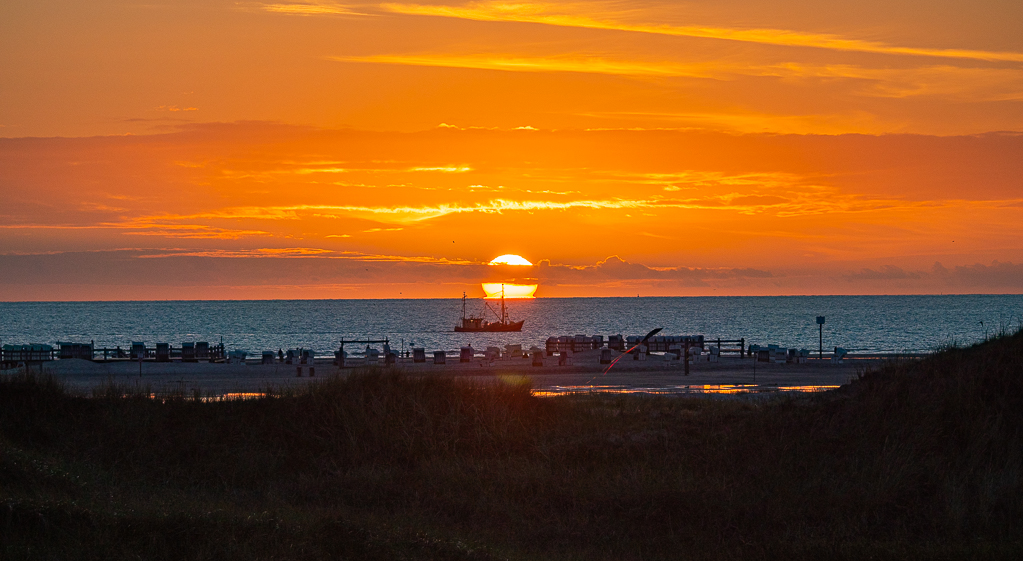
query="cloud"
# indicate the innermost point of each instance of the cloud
(997, 274)
(311, 9)
(297, 252)
(566, 63)
(305, 267)
(960, 278)
(614, 269)
(397, 213)
(445, 169)
(584, 15)
(849, 198)
(192, 232)
(950, 82)
(886, 272)
(794, 200)
(295, 266)
(315, 271)
(746, 121)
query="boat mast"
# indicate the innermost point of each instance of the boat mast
(504, 314)
(463, 305)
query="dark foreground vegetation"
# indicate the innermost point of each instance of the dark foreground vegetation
(915, 460)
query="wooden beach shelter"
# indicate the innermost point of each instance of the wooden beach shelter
(29, 355)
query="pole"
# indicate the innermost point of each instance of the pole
(820, 344)
(820, 348)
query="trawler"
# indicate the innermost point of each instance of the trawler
(472, 323)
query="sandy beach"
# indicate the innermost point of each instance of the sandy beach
(654, 375)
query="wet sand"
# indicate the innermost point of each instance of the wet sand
(654, 375)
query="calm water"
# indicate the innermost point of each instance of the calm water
(858, 323)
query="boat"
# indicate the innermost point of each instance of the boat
(472, 323)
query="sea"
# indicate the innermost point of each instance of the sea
(869, 324)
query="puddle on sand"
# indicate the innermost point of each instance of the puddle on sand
(739, 389)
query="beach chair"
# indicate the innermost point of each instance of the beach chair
(202, 350)
(839, 354)
(138, 350)
(163, 352)
(187, 352)
(565, 358)
(372, 356)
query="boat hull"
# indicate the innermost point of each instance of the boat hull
(491, 327)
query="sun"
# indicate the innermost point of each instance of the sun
(510, 288)
(510, 259)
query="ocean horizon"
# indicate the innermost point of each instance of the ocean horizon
(876, 324)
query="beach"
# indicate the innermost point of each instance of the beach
(653, 375)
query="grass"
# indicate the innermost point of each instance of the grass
(916, 459)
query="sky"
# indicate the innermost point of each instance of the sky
(226, 149)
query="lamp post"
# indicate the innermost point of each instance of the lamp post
(820, 348)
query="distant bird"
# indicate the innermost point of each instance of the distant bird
(634, 347)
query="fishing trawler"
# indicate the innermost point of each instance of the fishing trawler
(472, 323)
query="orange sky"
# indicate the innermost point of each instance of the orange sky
(319, 150)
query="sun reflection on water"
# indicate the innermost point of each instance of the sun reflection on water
(723, 389)
(494, 290)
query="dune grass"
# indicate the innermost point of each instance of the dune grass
(916, 459)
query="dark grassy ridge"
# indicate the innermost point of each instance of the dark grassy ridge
(917, 459)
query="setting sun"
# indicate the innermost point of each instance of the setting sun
(510, 259)
(510, 288)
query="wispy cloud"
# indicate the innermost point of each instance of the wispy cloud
(886, 272)
(793, 200)
(311, 8)
(746, 121)
(268, 170)
(300, 252)
(568, 63)
(614, 269)
(583, 15)
(973, 84)
(188, 231)
(444, 169)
